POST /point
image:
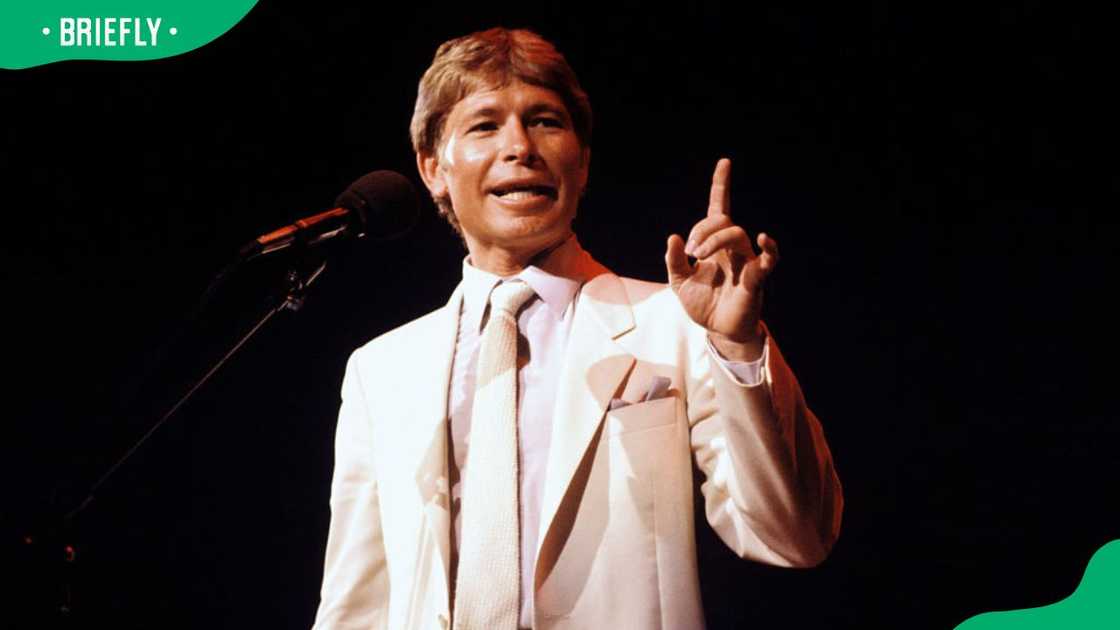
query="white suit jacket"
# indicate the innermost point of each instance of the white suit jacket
(617, 546)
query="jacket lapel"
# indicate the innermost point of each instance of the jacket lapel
(594, 367)
(431, 475)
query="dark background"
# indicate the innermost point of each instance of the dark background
(941, 182)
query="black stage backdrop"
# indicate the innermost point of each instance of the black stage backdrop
(938, 180)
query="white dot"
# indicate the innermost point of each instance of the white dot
(46, 30)
(173, 31)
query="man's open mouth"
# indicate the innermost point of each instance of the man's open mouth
(521, 192)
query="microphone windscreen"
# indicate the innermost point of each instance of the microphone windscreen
(386, 202)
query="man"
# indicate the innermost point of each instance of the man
(522, 457)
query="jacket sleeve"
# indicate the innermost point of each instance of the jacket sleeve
(355, 590)
(770, 490)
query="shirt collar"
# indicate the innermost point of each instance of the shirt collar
(556, 278)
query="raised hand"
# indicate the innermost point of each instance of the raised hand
(722, 291)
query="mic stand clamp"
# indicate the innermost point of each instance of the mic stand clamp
(297, 284)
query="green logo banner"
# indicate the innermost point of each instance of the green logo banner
(37, 32)
(1094, 603)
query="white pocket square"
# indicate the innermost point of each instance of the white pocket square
(659, 388)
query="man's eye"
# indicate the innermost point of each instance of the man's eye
(548, 121)
(482, 126)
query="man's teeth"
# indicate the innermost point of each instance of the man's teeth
(520, 195)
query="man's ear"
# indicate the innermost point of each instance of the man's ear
(428, 165)
(585, 163)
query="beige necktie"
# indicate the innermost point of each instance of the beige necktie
(488, 581)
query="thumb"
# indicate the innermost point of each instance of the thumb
(676, 262)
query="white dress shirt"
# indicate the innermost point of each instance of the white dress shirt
(544, 324)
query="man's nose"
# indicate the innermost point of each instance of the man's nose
(517, 144)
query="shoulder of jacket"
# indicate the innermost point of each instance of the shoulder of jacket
(638, 289)
(400, 339)
(646, 296)
(657, 311)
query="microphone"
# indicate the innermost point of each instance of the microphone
(382, 204)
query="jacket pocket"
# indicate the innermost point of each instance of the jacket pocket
(641, 416)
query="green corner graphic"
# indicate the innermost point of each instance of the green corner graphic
(1095, 603)
(37, 32)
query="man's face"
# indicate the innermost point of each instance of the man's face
(513, 167)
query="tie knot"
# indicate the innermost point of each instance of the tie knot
(509, 296)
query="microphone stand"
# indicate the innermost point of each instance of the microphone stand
(290, 297)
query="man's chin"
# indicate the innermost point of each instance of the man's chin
(527, 236)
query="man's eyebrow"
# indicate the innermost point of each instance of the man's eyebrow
(488, 111)
(482, 111)
(538, 108)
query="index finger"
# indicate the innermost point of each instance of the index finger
(719, 201)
